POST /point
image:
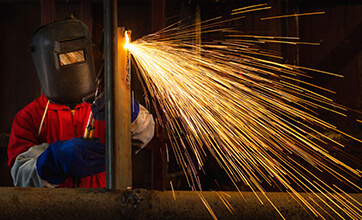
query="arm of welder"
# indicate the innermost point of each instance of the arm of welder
(24, 172)
(38, 165)
(23, 149)
(58, 161)
(142, 129)
(142, 123)
(76, 157)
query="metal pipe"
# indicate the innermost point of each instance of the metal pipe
(43, 203)
(110, 67)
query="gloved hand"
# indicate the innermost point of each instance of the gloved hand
(73, 158)
(98, 107)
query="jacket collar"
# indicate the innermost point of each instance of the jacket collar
(42, 101)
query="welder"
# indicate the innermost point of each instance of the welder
(46, 147)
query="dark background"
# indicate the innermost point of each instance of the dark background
(338, 30)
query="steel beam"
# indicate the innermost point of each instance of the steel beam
(42, 203)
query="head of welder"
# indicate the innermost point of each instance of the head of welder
(62, 55)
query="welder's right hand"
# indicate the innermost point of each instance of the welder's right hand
(73, 158)
(97, 107)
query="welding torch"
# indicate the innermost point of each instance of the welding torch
(89, 129)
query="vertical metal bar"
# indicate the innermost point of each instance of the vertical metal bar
(110, 67)
(122, 118)
(117, 100)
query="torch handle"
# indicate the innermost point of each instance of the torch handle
(89, 129)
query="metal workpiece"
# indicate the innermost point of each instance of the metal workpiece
(117, 102)
(42, 203)
(122, 152)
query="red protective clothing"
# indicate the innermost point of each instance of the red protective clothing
(61, 123)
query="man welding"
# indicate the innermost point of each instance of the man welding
(45, 147)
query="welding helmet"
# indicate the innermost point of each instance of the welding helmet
(62, 55)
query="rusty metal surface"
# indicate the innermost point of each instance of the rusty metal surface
(41, 203)
(122, 152)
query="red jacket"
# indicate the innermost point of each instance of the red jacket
(60, 123)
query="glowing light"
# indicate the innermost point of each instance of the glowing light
(252, 115)
(127, 35)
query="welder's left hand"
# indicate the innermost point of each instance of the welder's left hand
(72, 158)
(98, 107)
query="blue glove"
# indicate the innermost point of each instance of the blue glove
(98, 107)
(73, 158)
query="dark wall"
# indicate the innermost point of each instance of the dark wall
(18, 84)
(339, 32)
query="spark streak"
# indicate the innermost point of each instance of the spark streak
(293, 15)
(173, 191)
(252, 115)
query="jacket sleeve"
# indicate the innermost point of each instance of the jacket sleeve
(23, 134)
(24, 148)
(142, 129)
(24, 172)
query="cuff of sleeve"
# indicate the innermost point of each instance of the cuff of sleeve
(135, 109)
(142, 130)
(24, 170)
